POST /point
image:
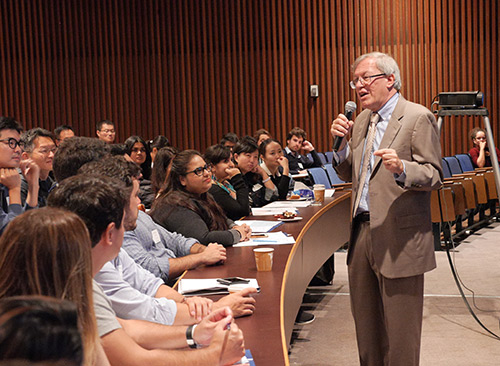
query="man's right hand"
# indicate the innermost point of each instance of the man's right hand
(227, 337)
(218, 330)
(10, 178)
(214, 253)
(341, 127)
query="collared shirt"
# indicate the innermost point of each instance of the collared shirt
(8, 211)
(385, 114)
(151, 246)
(131, 290)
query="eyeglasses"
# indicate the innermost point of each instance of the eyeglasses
(364, 80)
(199, 171)
(47, 151)
(107, 131)
(138, 150)
(13, 143)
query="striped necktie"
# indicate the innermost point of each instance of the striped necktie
(370, 138)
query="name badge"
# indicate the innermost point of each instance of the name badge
(256, 187)
(156, 236)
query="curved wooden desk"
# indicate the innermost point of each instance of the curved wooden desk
(268, 331)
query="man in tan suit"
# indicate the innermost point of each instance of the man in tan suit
(394, 160)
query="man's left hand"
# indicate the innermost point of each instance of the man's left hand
(390, 160)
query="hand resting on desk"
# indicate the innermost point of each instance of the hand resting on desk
(241, 303)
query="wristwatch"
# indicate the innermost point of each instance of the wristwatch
(189, 336)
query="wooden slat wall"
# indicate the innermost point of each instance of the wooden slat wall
(195, 69)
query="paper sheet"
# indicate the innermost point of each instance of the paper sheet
(277, 238)
(260, 226)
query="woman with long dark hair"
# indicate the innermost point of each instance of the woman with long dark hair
(138, 150)
(186, 207)
(228, 187)
(161, 168)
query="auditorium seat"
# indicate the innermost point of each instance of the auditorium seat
(453, 164)
(323, 158)
(446, 169)
(329, 156)
(319, 176)
(465, 162)
(332, 174)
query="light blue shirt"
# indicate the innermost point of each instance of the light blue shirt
(131, 290)
(385, 114)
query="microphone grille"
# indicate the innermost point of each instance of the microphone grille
(350, 106)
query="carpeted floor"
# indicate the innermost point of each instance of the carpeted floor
(450, 335)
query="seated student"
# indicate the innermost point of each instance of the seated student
(75, 152)
(164, 254)
(40, 328)
(39, 146)
(10, 180)
(101, 202)
(296, 141)
(156, 144)
(138, 151)
(480, 153)
(106, 131)
(161, 169)
(228, 187)
(230, 140)
(276, 166)
(261, 187)
(187, 208)
(47, 252)
(261, 135)
(63, 132)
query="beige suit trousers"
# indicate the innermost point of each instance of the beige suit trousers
(387, 312)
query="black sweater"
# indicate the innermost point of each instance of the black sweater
(234, 208)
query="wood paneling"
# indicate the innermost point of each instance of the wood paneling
(196, 69)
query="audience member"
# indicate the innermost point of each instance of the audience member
(101, 203)
(106, 131)
(261, 187)
(230, 140)
(138, 151)
(75, 152)
(296, 141)
(187, 208)
(10, 180)
(47, 252)
(228, 187)
(39, 146)
(40, 328)
(480, 153)
(161, 168)
(276, 166)
(261, 135)
(63, 132)
(156, 144)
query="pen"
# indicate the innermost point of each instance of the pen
(264, 241)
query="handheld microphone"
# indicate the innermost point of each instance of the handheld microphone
(349, 109)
